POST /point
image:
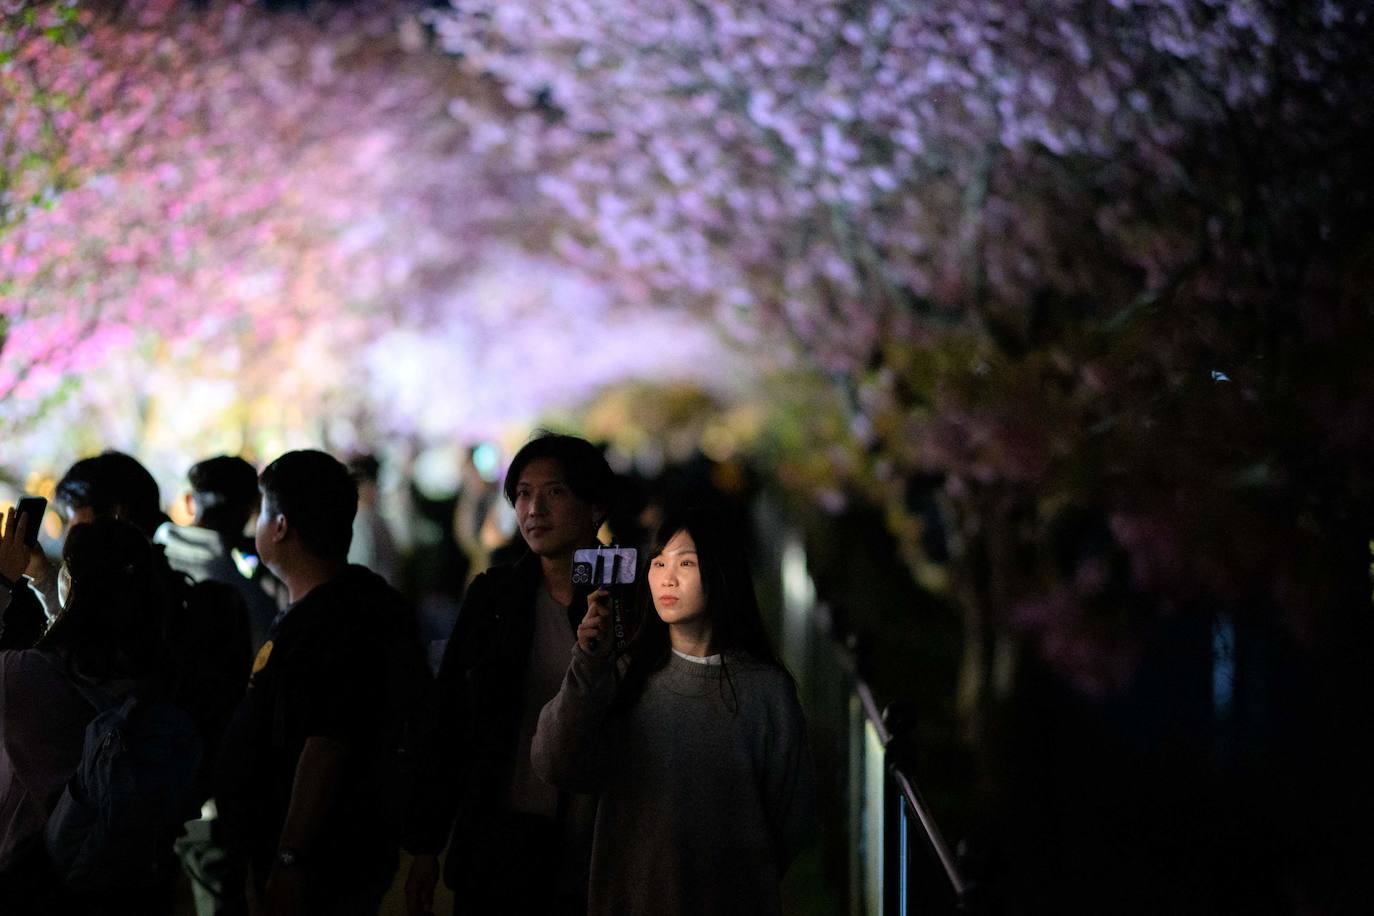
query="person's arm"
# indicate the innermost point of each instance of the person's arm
(313, 793)
(570, 747)
(22, 618)
(789, 781)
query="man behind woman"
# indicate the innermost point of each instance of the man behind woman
(684, 762)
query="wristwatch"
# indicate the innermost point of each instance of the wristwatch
(288, 857)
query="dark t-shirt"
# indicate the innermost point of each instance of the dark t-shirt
(318, 675)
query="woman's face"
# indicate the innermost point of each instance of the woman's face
(675, 582)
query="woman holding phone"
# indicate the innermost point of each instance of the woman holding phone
(25, 607)
(106, 640)
(694, 740)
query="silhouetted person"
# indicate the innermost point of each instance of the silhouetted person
(109, 485)
(303, 773)
(373, 545)
(223, 498)
(106, 641)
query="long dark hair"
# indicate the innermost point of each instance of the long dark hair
(114, 622)
(737, 627)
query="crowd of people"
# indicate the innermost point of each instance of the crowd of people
(234, 701)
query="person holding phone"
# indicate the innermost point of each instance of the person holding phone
(106, 638)
(695, 743)
(22, 614)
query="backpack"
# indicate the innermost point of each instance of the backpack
(135, 785)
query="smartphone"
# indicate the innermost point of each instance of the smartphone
(604, 566)
(34, 507)
(610, 567)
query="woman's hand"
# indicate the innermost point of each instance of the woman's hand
(594, 633)
(14, 553)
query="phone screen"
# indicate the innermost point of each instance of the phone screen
(34, 508)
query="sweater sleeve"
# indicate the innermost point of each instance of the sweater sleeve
(789, 778)
(571, 743)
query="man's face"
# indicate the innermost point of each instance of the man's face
(553, 519)
(264, 539)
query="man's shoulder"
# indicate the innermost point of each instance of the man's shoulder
(356, 602)
(496, 579)
(500, 587)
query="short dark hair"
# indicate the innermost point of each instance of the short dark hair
(225, 490)
(318, 497)
(113, 481)
(584, 466)
(87, 485)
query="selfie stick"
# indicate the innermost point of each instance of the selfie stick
(617, 618)
(617, 621)
(596, 581)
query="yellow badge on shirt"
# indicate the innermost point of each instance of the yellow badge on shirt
(263, 655)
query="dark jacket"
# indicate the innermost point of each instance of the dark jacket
(480, 690)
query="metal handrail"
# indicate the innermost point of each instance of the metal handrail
(933, 835)
(913, 796)
(899, 791)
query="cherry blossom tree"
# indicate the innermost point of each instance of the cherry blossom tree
(1083, 254)
(1049, 256)
(255, 207)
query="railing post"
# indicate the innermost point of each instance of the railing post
(898, 719)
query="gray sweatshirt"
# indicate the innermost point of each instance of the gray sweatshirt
(706, 793)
